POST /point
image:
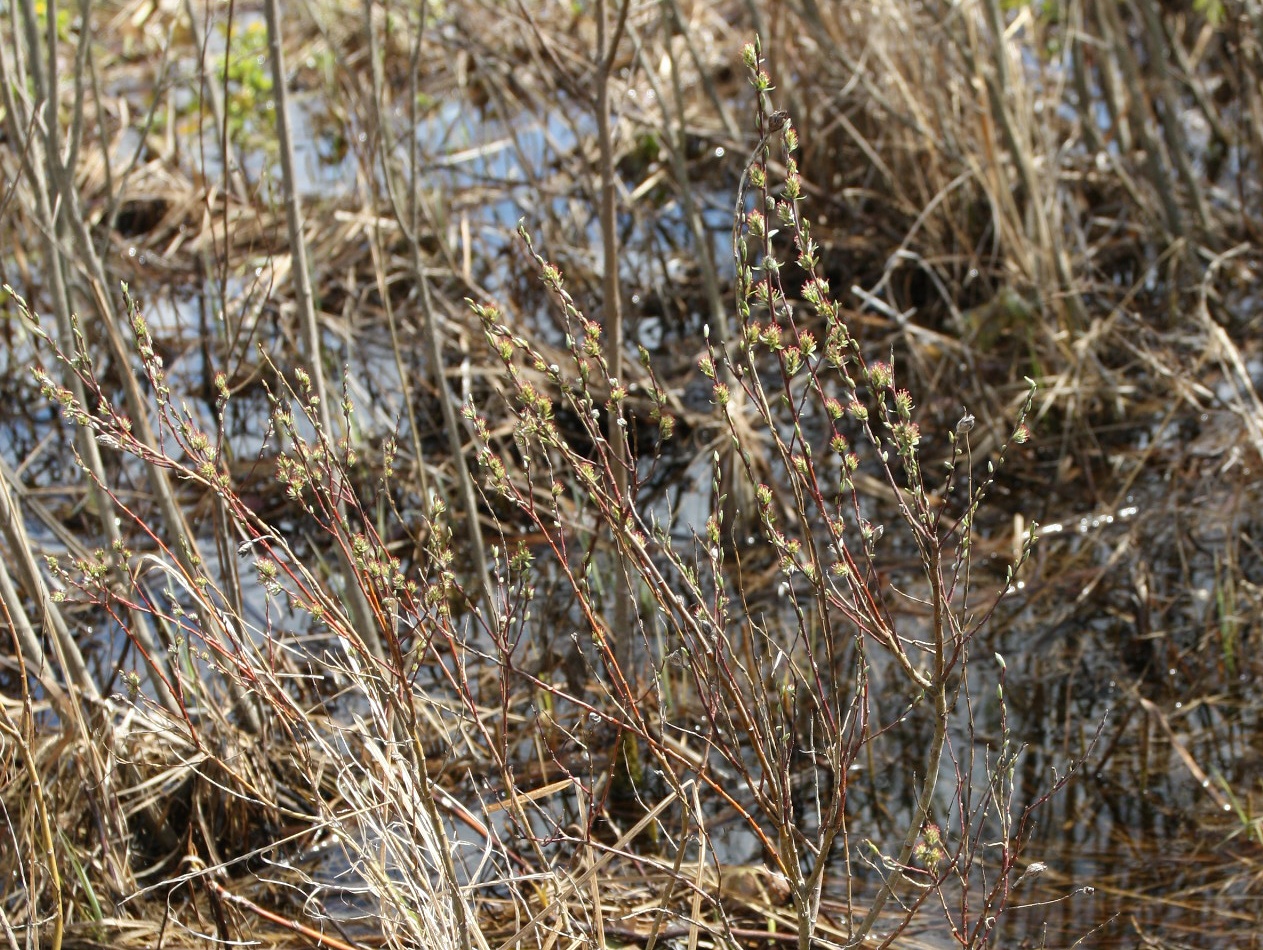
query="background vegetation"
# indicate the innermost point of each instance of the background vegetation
(828, 518)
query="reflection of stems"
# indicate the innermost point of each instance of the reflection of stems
(1110, 80)
(1155, 168)
(934, 755)
(675, 139)
(1087, 102)
(738, 508)
(56, 208)
(214, 97)
(409, 220)
(675, 27)
(607, 47)
(357, 603)
(1171, 122)
(1058, 283)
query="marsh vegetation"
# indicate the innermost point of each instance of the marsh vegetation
(630, 474)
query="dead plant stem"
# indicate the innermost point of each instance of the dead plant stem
(357, 603)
